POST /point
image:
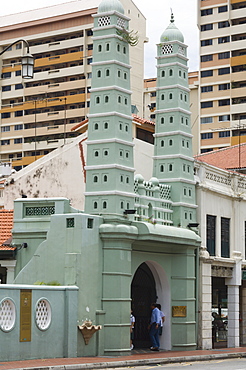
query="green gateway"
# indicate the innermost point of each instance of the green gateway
(134, 243)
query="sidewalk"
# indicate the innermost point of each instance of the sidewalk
(138, 357)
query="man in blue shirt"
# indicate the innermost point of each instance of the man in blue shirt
(155, 322)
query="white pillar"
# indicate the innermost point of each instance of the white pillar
(10, 266)
(243, 316)
(233, 336)
(205, 303)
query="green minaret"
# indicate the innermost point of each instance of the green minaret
(173, 161)
(109, 170)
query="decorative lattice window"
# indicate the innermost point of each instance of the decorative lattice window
(167, 49)
(121, 22)
(181, 50)
(40, 211)
(104, 21)
(7, 314)
(165, 191)
(70, 222)
(43, 314)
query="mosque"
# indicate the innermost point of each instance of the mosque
(135, 242)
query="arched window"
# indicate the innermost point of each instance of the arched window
(170, 167)
(184, 75)
(183, 143)
(170, 142)
(104, 205)
(162, 142)
(95, 179)
(107, 72)
(162, 120)
(119, 99)
(184, 167)
(121, 178)
(118, 47)
(127, 154)
(185, 97)
(170, 96)
(96, 153)
(126, 128)
(106, 99)
(107, 47)
(95, 205)
(105, 178)
(125, 76)
(180, 73)
(171, 119)
(105, 152)
(118, 73)
(162, 73)
(170, 72)
(181, 96)
(187, 144)
(189, 192)
(125, 101)
(127, 180)
(161, 168)
(97, 100)
(186, 215)
(162, 96)
(184, 191)
(99, 48)
(121, 153)
(182, 119)
(120, 126)
(124, 50)
(186, 122)
(105, 125)
(96, 126)
(122, 205)
(99, 73)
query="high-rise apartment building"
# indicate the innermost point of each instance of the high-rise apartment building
(37, 114)
(222, 95)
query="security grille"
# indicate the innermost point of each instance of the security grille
(7, 315)
(167, 49)
(104, 21)
(43, 314)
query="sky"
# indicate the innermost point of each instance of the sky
(157, 13)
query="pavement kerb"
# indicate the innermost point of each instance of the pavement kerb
(140, 362)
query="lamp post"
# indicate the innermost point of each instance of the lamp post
(27, 59)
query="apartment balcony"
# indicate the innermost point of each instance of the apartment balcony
(55, 87)
(238, 60)
(241, 91)
(56, 115)
(11, 67)
(25, 161)
(59, 59)
(57, 45)
(61, 72)
(206, 3)
(238, 108)
(238, 13)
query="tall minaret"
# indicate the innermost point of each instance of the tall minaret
(109, 170)
(173, 161)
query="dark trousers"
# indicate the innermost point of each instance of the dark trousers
(154, 335)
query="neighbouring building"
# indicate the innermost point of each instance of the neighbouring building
(222, 94)
(136, 240)
(37, 115)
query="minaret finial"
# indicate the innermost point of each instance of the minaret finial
(172, 16)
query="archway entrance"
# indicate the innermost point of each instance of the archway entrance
(143, 293)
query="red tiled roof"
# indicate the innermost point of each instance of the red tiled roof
(134, 116)
(227, 158)
(6, 225)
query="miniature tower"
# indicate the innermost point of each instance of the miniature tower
(173, 161)
(109, 170)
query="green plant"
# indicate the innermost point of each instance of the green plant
(54, 282)
(130, 37)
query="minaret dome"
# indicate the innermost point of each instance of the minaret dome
(172, 33)
(110, 5)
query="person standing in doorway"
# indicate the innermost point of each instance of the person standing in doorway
(162, 318)
(155, 322)
(132, 324)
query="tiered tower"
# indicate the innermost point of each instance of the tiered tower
(173, 161)
(109, 170)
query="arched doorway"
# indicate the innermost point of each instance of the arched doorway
(150, 284)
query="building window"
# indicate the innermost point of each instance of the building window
(107, 72)
(224, 55)
(90, 223)
(5, 142)
(18, 140)
(224, 134)
(223, 40)
(222, 9)
(5, 129)
(223, 71)
(206, 12)
(18, 73)
(6, 88)
(223, 24)
(170, 72)
(207, 104)
(211, 234)
(18, 86)
(207, 42)
(207, 73)
(225, 237)
(206, 120)
(225, 117)
(104, 205)
(207, 27)
(224, 102)
(206, 58)
(89, 60)
(95, 179)
(6, 75)
(206, 89)
(207, 135)
(224, 86)
(70, 222)
(5, 115)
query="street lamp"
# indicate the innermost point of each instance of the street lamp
(27, 60)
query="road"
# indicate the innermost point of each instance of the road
(230, 364)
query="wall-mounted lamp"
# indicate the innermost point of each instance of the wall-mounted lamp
(19, 246)
(129, 211)
(192, 225)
